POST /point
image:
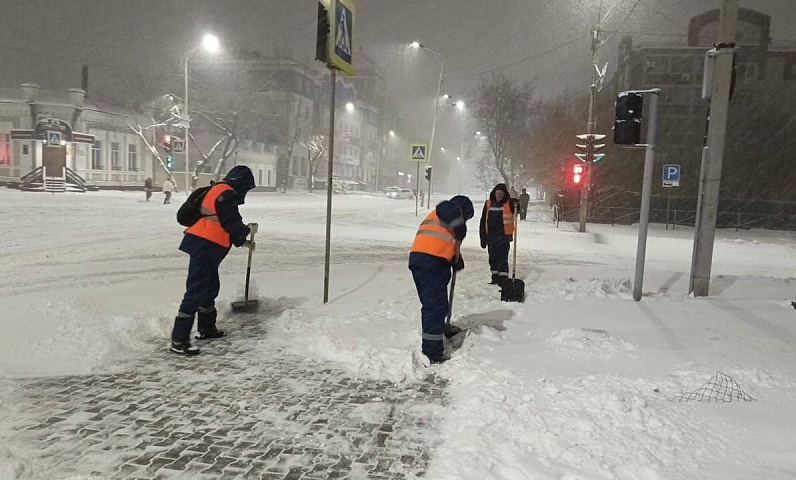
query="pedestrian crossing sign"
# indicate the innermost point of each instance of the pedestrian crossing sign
(341, 35)
(53, 138)
(418, 151)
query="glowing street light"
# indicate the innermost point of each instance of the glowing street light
(392, 133)
(441, 59)
(349, 107)
(210, 44)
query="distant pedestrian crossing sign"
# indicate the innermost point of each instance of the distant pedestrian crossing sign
(419, 152)
(341, 35)
(53, 138)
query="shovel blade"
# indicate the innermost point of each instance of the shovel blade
(248, 306)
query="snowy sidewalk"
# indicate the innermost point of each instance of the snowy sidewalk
(234, 412)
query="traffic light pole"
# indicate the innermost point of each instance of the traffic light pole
(646, 193)
(710, 177)
(590, 126)
(417, 188)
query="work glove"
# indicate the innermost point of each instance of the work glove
(458, 263)
(483, 242)
(249, 244)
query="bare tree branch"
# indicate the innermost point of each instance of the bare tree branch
(138, 130)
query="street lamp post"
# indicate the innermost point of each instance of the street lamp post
(210, 44)
(460, 105)
(441, 59)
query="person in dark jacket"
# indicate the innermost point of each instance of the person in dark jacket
(207, 242)
(148, 187)
(525, 199)
(497, 230)
(434, 252)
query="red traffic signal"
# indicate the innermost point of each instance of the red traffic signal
(577, 175)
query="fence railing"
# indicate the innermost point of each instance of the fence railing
(674, 218)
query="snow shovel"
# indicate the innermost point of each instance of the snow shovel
(246, 305)
(451, 330)
(513, 290)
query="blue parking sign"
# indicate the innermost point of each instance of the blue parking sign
(671, 175)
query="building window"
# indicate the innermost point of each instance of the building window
(295, 167)
(116, 160)
(5, 149)
(746, 71)
(132, 158)
(96, 156)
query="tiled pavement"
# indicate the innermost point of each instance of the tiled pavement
(234, 412)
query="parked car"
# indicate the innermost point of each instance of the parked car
(401, 193)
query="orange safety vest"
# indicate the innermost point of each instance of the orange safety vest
(209, 227)
(508, 217)
(436, 238)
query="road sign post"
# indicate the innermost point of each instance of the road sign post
(339, 55)
(418, 152)
(671, 179)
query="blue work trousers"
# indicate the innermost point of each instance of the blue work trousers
(499, 258)
(201, 290)
(432, 288)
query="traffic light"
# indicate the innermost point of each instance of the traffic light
(428, 173)
(170, 162)
(577, 175)
(627, 125)
(322, 37)
(590, 148)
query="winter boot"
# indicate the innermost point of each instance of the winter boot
(184, 348)
(438, 359)
(495, 279)
(215, 333)
(206, 324)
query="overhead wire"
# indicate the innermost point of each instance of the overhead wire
(527, 59)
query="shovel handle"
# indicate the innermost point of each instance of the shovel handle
(249, 268)
(450, 298)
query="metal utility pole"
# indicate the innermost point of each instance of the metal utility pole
(434, 123)
(591, 124)
(710, 177)
(646, 193)
(186, 147)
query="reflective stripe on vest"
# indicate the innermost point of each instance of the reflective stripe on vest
(209, 227)
(508, 217)
(435, 238)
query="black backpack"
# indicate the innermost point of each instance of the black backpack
(191, 211)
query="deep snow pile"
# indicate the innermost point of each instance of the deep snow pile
(579, 382)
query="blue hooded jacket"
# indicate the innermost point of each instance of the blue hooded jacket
(454, 212)
(241, 180)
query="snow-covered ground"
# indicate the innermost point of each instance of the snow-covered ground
(579, 382)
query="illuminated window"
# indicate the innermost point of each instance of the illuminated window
(5, 149)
